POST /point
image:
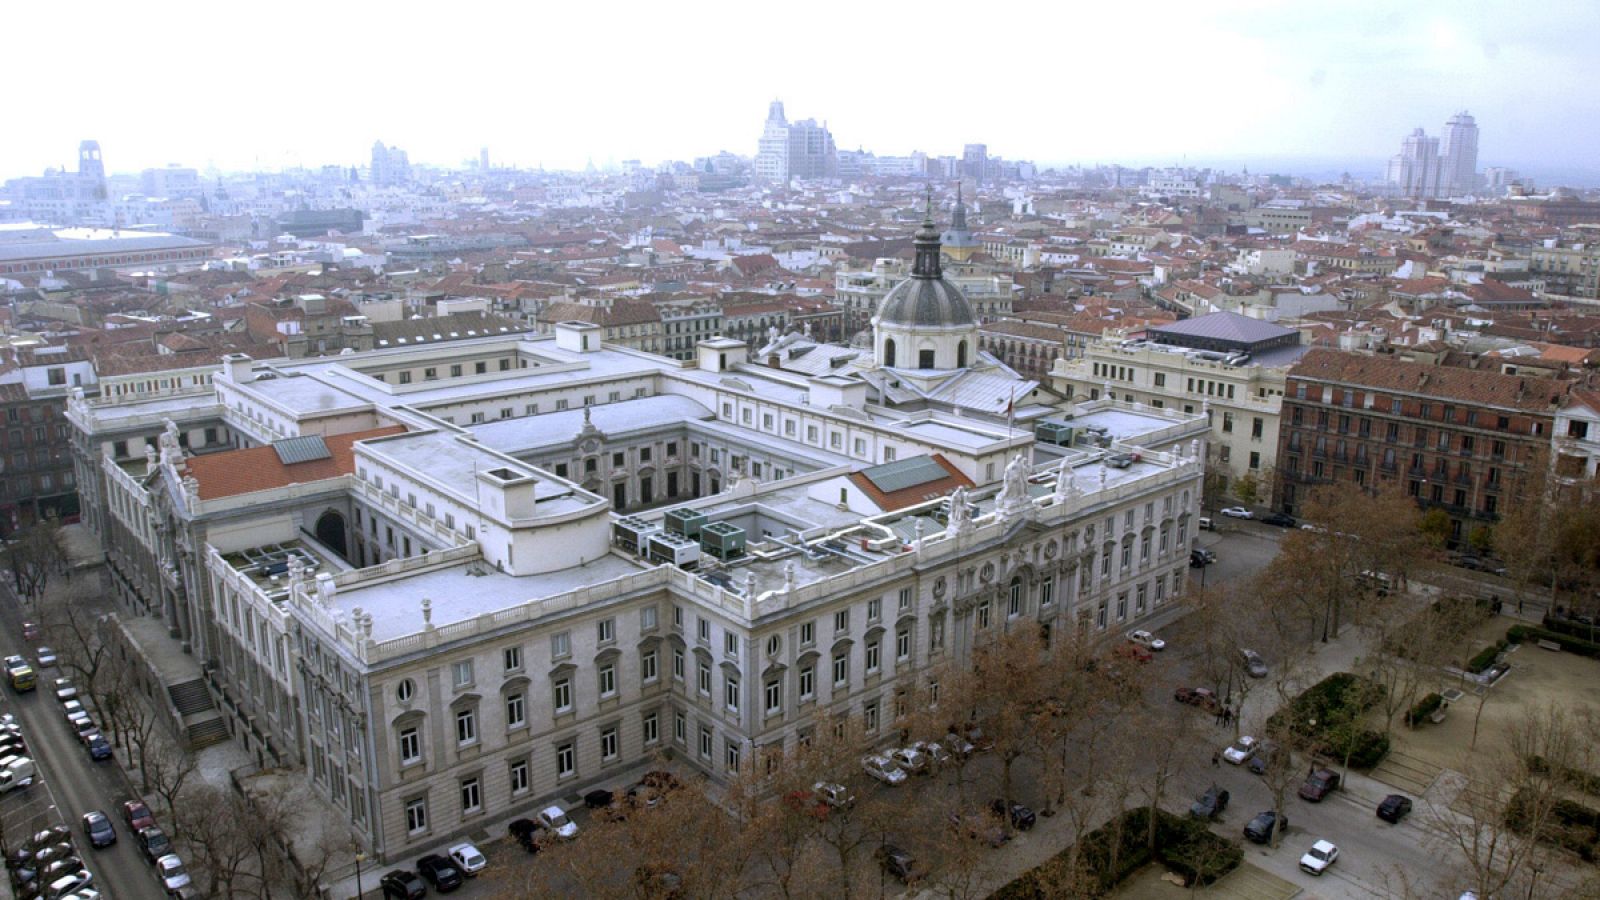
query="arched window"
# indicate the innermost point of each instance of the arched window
(961, 355)
(888, 352)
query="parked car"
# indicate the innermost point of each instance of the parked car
(1206, 524)
(1321, 855)
(137, 815)
(55, 834)
(1200, 557)
(1238, 512)
(66, 885)
(912, 760)
(957, 745)
(65, 690)
(440, 872)
(1210, 804)
(403, 885)
(468, 859)
(1479, 563)
(1134, 652)
(1022, 818)
(1254, 665)
(1240, 751)
(172, 873)
(45, 657)
(599, 799)
(97, 825)
(883, 769)
(1394, 807)
(1259, 830)
(899, 863)
(835, 796)
(554, 820)
(1146, 639)
(526, 833)
(1282, 520)
(1205, 698)
(31, 631)
(99, 748)
(154, 843)
(1266, 753)
(1319, 784)
(936, 753)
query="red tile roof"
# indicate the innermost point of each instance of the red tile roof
(917, 493)
(1386, 373)
(234, 472)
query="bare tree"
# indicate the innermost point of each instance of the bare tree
(168, 768)
(212, 822)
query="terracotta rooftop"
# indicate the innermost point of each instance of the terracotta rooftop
(912, 494)
(235, 472)
(1385, 373)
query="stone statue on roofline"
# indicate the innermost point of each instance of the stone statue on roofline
(958, 522)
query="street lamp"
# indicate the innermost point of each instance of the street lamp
(360, 858)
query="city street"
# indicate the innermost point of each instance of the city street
(69, 783)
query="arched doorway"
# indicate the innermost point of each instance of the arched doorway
(888, 352)
(330, 531)
(961, 355)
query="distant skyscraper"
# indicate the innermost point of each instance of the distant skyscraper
(1414, 172)
(1458, 171)
(974, 160)
(794, 149)
(483, 159)
(390, 165)
(92, 168)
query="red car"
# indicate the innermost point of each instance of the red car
(137, 814)
(1204, 698)
(31, 632)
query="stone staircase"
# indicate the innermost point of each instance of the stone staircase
(203, 724)
(1409, 774)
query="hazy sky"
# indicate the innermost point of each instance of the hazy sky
(559, 83)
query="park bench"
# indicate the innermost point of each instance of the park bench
(1548, 645)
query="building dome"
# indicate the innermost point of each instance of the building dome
(926, 302)
(926, 299)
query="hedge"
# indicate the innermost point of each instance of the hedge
(1485, 657)
(1568, 627)
(1521, 634)
(1182, 844)
(1424, 708)
(1340, 697)
(1571, 825)
(1578, 778)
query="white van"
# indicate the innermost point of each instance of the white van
(15, 772)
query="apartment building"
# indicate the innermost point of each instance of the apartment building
(1228, 367)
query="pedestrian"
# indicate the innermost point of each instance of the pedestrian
(1519, 606)
(1216, 759)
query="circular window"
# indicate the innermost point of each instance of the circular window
(774, 644)
(405, 690)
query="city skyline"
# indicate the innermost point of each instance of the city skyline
(1319, 86)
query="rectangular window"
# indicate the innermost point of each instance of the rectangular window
(680, 728)
(841, 670)
(515, 712)
(774, 697)
(410, 747)
(677, 664)
(841, 621)
(730, 694)
(608, 630)
(705, 679)
(471, 797)
(902, 644)
(566, 760)
(416, 814)
(466, 726)
(513, 658)
(647, 666)
(651, 729)
(905, 598)
(870, 716)
(730, 644)
(560, 645)
(608, 680)
(874, 651)
(808, 681)
(808, 633)
(562, 689)
(705, 630)
(647, 619)
(1047, 591)
(518, 776)
(983, 614)
(463, 673)
(608, 744)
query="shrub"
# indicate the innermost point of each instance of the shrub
(1578, 778)
(1424, 708)
(1484, 658)
(1182, 844)
(1518, 634)
(1570, 628)
(1333, 704)
(1369, 750)
(1572, 825)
